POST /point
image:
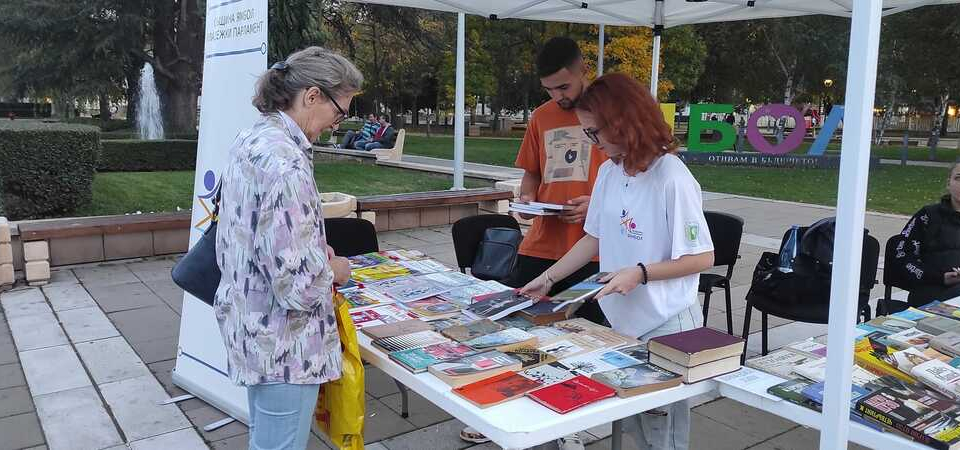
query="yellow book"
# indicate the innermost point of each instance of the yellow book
(865, 355)
(379, 272)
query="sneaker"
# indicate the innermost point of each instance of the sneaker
(470, 435)
(570, 442)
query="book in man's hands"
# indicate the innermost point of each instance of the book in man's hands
(417, 360)
(497, 389)
(695, 347)
(540, 209)
(499, 305)
(638, 379)
(571, 394)
(466, 370)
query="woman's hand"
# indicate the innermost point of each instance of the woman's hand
(951, 278)
(539, 287)
(621, 282)
(341, 270)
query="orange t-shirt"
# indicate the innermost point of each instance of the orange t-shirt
(556, 149)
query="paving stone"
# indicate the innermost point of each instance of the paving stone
(186, 439)
(169, 292)
(154, 270)
(24, 302)
(156, 350)
(76, 418)
(37, 331)
(442, 436)
(62, 276)
(65, 296)
(147, 324)
(87, 324)
(378, 384)
(120, 297)
(8, 353)
(429, 235)
(20, 431)
(44, 447)
(422, 412)
(134, 405)
(381, 422)
(105, 275)
(201, 417)
(800, 438)
(748, 419)
(11, 375)
(707, 434)
(40, 364)
(14, 401)
(232, 443)
(110, 360)
(375, 446)
(787, 334)
(162, 372)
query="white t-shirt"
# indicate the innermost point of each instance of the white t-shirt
(652, 217)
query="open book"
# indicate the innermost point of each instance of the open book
(580, 292)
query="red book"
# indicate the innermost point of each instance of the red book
(497, 389)
(697, 346)
(571, 394)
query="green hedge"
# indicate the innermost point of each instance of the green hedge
(111, 125)
(147, 156)
(127, 133)
(47, 168)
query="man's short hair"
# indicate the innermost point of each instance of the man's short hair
(557, 53)
(385, 117)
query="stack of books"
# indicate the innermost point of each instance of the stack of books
(697, 354)
(539, 209)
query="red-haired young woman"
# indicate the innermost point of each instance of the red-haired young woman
(646, 223)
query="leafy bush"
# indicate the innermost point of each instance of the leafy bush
(47, 168)
(147, 156)
(127, 133)
(111, 125)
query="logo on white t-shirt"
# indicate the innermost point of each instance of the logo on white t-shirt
(692, 230)
(628, 227)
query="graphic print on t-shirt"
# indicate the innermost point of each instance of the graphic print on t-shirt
(628, 227)
(568, 155)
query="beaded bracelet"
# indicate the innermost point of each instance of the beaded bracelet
(644, 269)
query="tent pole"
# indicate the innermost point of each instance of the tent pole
(655, 60)
(600, 50)
(459, 102)
(851, 204)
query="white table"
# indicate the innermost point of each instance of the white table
(523, 423)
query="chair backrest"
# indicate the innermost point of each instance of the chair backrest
(468, 232)
(726, 230)
(351, 237)
(870, 257)
(890, 279)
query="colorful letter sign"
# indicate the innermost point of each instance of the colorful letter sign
(697, 125)
(728, 134)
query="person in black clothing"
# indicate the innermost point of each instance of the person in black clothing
(928, 256)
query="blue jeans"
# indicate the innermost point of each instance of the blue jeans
(372, 146)
(281, 415)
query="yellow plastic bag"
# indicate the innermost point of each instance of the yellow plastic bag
(340, 408)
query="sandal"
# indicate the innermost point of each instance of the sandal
(470, 435)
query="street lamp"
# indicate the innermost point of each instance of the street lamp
(827, 83)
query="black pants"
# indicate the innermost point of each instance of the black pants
(529, 267)
(921, 295)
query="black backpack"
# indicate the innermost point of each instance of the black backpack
(496, 254)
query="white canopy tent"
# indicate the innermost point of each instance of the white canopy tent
(854, 166)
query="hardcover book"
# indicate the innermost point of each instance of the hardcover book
(466, 370)
(502, 338)
(408, 341)
(417, 360)
(499, 305)
(571, 394)
(396, 328)
(472, 330)
(694, 347)
(542, 313)
(701, 372)
(497, 389)
(638, 379)
(433, 308)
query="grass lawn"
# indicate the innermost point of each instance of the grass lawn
(127, 192)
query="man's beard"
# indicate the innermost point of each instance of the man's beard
(567, 104)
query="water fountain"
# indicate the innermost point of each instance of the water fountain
(149, 120)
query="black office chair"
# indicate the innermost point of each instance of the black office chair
(887, 305)
(468, 232)
(726, 230)
(814, 309)
(351, 237)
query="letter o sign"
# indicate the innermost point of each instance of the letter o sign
(789, 143)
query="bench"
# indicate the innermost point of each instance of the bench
(423, 209)
(381, 154)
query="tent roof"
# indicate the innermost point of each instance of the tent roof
(643, 12)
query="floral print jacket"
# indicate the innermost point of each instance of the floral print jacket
(274, 302)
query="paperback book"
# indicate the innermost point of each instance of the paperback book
(423, 266)
(947, 343)
(912, 417)
(451, 279)
(433, 308)
(472, 330)
(938, 325)
(360, 299)
(598, 361)
(417, 360)
(571, 394)
(529, 357)
(509, 336)
(941, 309)
(579, 293)
(638, 379)
(367, 260)
(408, 341)
(396, 328)
(475, 367)
(911, 337)
(792, 391)
(379, 272)
(497, 389)
(548, 374)
(464, 295)
(409, 289)
(380, 315)
(499, 305)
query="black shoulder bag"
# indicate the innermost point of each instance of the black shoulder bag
(197, 272)
(497, 253)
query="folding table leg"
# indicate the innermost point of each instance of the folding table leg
(404, 405)
(616, 436)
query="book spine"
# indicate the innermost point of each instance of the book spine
(910, 432)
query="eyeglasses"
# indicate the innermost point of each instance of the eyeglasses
(593, 134)
(343, 114)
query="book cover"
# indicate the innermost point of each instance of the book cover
(408, 289)
(548, 374)
(912, 314)
(891, 324)
(780, 362)
(580, 292)
(813, 370)
(528, 356)
(638, 352)
(637, 379)
(938, 325)
(396, 328)
(598, 361)
(367, 260)
(791, 391)
(814, 392)
(451, 278)
(542, 313)
(500, 338)
(938, 376)
(516, 322)
(380, 315)
(911, 337)
(472, 330)
(464, 295)
(809, 347)
(379, 272)
(417, 360)
(947, 343)
(408, 341)
(941, 309)
(499, 305)
(403, 255)
(475, 364)
(497, 389)
(696, 346)
(878, 359)
(906, 360)
(570, 345)
(579, 325)
(360, 299)
(442, 324)
(423, 266)
(571, 394)
(433, 308)
(911, 417)
(546, 333)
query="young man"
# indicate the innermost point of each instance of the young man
(385, 136)
(560, 166)
(370, 127)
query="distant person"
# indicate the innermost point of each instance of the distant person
(274, 304)
(928, 255)
(560, 165)
(385, 137)
(730, 119)
(366, 131)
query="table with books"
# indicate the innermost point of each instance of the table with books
(520, 370)
(906, 384)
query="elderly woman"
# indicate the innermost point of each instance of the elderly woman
(274, 302)
(928, 255)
